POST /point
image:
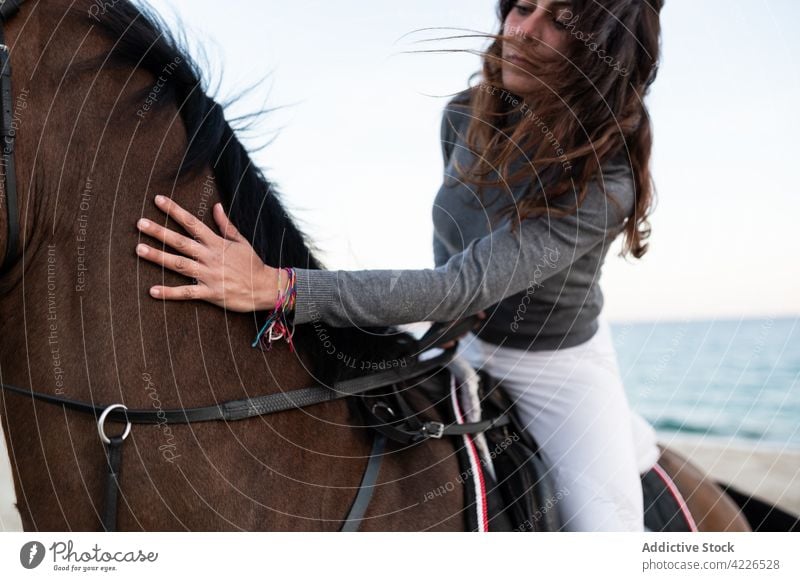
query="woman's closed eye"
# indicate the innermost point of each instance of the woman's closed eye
(560, 24)
(524, 8)
(559, 20)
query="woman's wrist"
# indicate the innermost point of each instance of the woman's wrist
(280, 287)
(277, 286)
(282, 301)
(267, 295)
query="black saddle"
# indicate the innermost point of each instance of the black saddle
(521, 495)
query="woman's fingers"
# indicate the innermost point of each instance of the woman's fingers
(180, 264)
(179, 293)
(229, 231)
(186, 219)
(171, 238)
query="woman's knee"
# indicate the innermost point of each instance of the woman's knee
(590, 504)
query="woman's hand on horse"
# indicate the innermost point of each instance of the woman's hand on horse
(228, 271)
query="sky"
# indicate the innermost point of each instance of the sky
(353, 138)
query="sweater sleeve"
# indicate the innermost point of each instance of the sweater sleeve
(488, 270)
(454, 121)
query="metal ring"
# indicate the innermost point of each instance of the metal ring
(385, 406)
(101, 423)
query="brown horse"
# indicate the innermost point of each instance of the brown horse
(711, 509)
(106, 107)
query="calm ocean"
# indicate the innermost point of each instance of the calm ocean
(725, 378)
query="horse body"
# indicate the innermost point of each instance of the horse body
(93, 148)
(711, 508)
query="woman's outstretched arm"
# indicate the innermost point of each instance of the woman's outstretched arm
(230, 274)
(488, 270)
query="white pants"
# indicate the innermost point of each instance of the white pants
(574, 404)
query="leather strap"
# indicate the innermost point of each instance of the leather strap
(251, 407)
(361, 502)
(441, 333)
(7, 146)
(114, 465)
(9, 9)
(399, 431)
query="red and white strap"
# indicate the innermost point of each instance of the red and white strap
(474, 461)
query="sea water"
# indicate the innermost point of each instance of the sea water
(728, 378)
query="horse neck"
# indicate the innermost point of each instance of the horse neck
(78, 320)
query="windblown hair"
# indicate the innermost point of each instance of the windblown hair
(249, 199)
(588, 109)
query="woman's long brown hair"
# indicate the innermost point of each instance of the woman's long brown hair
(588, 109)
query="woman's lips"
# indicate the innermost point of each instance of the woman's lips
(517, 60)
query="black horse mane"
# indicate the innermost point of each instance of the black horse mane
(142, 39)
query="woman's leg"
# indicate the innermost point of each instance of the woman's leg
(573, 402)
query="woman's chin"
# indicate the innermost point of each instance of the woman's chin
(519, 85)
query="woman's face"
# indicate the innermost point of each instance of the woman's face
(540, 25)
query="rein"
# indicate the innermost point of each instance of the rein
(8, 9)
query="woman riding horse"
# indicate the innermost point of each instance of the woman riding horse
(546, 162)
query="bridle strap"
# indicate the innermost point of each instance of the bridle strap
(8, 9)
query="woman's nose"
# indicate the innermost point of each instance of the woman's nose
(532, 26)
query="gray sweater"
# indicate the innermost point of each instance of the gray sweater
(538, 286)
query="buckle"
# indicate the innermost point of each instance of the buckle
(432, 430)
